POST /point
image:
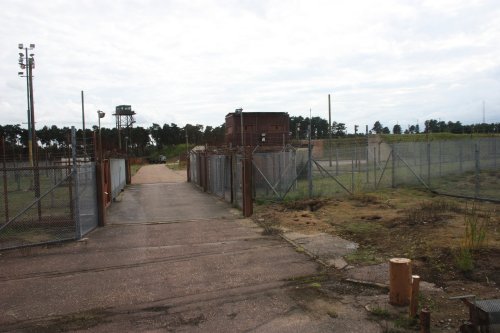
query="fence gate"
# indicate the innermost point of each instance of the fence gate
(46, 203)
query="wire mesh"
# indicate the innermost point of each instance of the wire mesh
(36, 210)
(468, 168)
(87, 198)
(48, 198)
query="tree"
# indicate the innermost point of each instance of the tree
(339, 129)
(431, 126)
(377, 127)
(456, 127)
(396, 129)
(386, 130)
(155, 131)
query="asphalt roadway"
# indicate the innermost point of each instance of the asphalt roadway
(170, 259)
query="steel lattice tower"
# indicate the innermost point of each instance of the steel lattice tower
(124, 120)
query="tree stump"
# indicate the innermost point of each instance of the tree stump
(400, 281)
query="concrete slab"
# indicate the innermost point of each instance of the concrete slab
(328, 248)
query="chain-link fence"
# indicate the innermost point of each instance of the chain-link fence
(219, 174)
(275, 173)
(45, 201)
(467, 168)
(87, 199)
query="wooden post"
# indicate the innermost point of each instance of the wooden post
(415, 287)
(425, 321)
(400, 281)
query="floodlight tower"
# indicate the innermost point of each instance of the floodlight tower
(28, 63)
(124, 120)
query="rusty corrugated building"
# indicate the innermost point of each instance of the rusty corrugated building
(259, 129)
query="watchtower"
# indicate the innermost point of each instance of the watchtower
(124, 120)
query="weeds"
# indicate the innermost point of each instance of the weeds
(380, 313)
(474, 237)
(365, 198)
(464, 260)
(332, 314)
(475, 228)
(364, 256)
(430, 211)
(405, 322)
(270, 230)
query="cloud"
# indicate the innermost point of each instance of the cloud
(193, 62)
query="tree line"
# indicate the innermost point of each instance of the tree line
(438, 126)
(137, 141)
(142, 141)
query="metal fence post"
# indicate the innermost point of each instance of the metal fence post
(309, 164)
(495, 153)
(76, 196)
(429, 163)
(374, 168)
(247, 182)
(393, 154)
(367, 165)
(352, 174)
(460, 157)
(477, 171)
(5, 184)
(440, 157)
(337, 160)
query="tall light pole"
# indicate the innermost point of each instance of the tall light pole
(28, 63)
(100, 114)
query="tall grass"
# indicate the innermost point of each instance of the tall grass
(476, 224)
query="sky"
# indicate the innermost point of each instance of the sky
(193, 62)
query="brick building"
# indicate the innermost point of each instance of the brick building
(259, 129)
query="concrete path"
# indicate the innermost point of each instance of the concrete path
(170, 259)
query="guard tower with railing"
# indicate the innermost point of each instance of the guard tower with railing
(124, 120)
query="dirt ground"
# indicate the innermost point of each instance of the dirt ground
(453, 243)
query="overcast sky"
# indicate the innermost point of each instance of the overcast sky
(180, 61)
